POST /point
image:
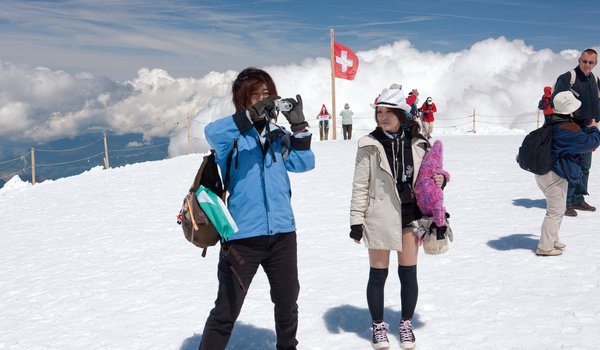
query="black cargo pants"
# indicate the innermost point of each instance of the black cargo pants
(238, 263)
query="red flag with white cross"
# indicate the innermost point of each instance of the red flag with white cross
(345, 62)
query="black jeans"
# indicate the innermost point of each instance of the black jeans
(277, 255)
(347, 129)
(575, 193)
(323, 131)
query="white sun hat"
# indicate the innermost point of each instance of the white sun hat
(392, 97)
(565, 103)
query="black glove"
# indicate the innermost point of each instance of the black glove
(258, 109)
(295, 116)
(356, 232)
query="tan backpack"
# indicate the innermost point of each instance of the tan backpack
(197, 228)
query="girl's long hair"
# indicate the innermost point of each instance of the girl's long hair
(412, 125)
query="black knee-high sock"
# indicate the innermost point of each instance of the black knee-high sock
(409, 290)
(375, 288)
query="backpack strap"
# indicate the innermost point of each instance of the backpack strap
(597, 83)
(572, 82)
(205, 162)
(198, 177)
(229, 158)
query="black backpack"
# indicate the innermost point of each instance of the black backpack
(535, 153)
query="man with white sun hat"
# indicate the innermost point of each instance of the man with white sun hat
(569, 142)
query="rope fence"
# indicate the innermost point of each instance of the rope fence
(87, 159)
(25, 163)
(473, 120)
(70, 149)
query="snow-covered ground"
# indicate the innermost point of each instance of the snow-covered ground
(97, 261)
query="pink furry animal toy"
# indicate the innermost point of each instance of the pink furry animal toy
(430, 198)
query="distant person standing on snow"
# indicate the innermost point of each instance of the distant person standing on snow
(585, 88)
(545, 103)
(569, 142)
(413, 101)
(260, 203)
(323, 118)
(428, 108)
(383, 208)
(346, 115)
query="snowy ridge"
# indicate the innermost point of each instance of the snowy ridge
(97, 261)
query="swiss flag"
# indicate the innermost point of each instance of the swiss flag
(346, 62)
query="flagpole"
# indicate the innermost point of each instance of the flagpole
(332, 58)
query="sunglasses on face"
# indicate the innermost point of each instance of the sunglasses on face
(588, 62)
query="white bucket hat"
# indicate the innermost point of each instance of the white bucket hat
(565, 103)
(392, 98)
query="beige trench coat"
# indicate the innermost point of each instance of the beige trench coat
(375, 201)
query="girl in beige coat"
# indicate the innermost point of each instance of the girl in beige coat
(383, 208)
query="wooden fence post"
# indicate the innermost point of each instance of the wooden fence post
(189, 124)
(106, 162)
(32, 166)
(474, 130)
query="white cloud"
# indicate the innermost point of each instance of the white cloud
(13, 117)
(499, 78)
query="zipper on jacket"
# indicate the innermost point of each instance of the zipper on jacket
(395, 159)
(234, 149)
(403, 160)
(267, 147)
(264, 148)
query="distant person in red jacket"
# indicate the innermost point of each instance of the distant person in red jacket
(323, 118)
(412, 100)
(427, 109)
(545, 103)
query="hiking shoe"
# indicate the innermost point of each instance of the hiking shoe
(570, 211)
(552, 252)
(407, 337)
(559, 245)
(583, 206)
(380, 339)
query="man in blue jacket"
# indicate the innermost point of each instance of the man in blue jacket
(584, 85)
(260, 203)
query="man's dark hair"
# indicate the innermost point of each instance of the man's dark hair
(246, 82)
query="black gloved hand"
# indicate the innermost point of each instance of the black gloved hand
(356, 232)
(257, 110)
(295, 116)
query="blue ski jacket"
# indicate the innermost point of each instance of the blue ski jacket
(259, 187)
(569, 141)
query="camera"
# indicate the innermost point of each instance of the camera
(283, 105)
(280, 105)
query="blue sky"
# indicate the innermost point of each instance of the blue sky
(191, 38)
